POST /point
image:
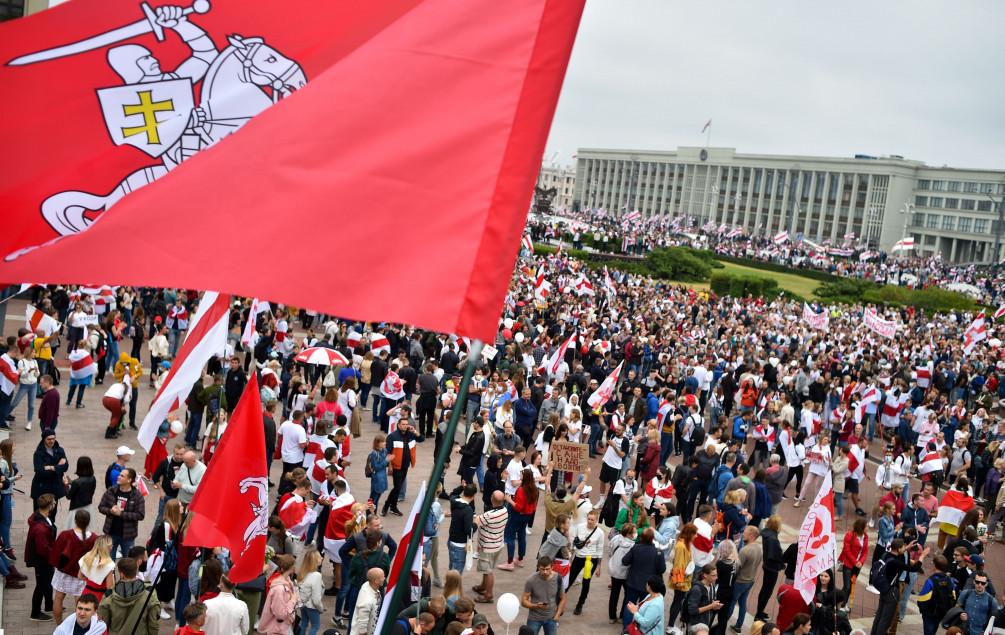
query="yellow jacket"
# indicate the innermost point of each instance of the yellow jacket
(678, 572)
(130, 365)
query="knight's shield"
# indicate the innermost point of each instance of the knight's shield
(151, 116)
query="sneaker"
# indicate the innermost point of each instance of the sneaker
(518, 562)
(784, 497)
(872, 523)
(578, 610)
(859, 512)
(673, 630)
(506, 566)
(165, 615)
(734, 628)
(27, 426)
(396, 512)
(872, 589)
(40, 617)
(529, 531)
(796, 504)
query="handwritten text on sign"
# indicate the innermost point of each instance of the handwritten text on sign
(570, 457)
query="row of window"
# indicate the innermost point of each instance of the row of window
(953, 223)
(969, 187)
(966, 204)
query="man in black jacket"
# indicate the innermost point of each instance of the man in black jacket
(471, 452)
(378, 371)
(165, 475)
(233, 384)
(462, 516)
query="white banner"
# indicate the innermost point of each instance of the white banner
(88, 320)
(817, 551)
(819, 321)
(886, 328)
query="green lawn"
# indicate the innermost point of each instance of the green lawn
(790, 282)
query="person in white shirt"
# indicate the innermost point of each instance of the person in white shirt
(364, 616)
(28, 374)
(225, 614)
(513, 474)
(84, 619)
(820, 464)
(294, 441)
(158, 345)
(188, 477)
(588, 540)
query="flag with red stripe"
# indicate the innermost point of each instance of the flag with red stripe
(207, 337)
(606, 389)
(930, 462)
(398, 565)
(817, 550)
(551, 364)
(36, 319)
(954, 506)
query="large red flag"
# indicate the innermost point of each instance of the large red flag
(231, 506)
(336, 126)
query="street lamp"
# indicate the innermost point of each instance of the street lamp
(907, 210)
(997, 256)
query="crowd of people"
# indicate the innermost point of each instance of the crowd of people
(723, 411)
(847, 257)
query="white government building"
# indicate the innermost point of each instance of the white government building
(954, 211)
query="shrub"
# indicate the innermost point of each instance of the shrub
(742, 285)
(678, 264)
(931, 300)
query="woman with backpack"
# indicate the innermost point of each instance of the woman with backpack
(162, 541)
(681, 570)
(376, 468)
(619, 546)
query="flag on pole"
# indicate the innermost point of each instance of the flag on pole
(205, 339)
(118, 143)
(231, 506)
(528, 244)
(378, 343)
(817, 551)
(542, 288)
(398, 564)
(550, 364)
(249, 336)
(904, 244)
(609, 283)
(631, 216)
(36, 319)
(141, 485)
(606, 389)
(1000, 312)
(781, 237)
(583, 285)
(975, 333)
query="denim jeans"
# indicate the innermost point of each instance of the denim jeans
(182, 599)
(194, 423)
(550, 626)
(6, 518)
(740, 592)
(516, 534)
(310, 621)
(457, 556)
(125, 545)
(25, 390)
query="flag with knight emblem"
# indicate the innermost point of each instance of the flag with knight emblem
(817, 551)
(122, 117)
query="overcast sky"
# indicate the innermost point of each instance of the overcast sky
(918, 78)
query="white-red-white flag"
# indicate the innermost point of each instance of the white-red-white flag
(527, 243)
(781, 237)
(378, 343)
(954, 506)
(353, 338)
(930, 462)
(398, 564)
(583, 285)
(609, 283)
(976, 332)
(817, 551)
(1000, 312)
(602, 394)
(205, 339)
(923, 374)
(542, 288)
(36, 319)
(551, 364)
(703, 544)
(251, 328)
(82, 365)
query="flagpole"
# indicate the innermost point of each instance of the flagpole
(415, 541)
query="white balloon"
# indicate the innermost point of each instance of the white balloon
(519, 338)
(176, 426)
(508, 323)
(508, 607)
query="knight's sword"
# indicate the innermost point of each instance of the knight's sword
(147, 25)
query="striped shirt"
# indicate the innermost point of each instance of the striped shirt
(490, 530)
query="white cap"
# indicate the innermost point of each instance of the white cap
(124, 450)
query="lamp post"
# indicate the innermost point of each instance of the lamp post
(996, 257)
(907, 210)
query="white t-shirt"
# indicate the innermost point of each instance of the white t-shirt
(611, 457)
(820, 459)
(293, 435)
(785, 439)
(514, 472)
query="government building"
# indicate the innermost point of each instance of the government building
(874, 201)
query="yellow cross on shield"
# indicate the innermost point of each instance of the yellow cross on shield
(150, 116)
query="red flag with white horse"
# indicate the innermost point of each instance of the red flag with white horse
(124, 119)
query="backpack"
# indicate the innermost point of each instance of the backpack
(431, 526)
(368, 468)
(170, 557)
(877, 575)
(943, 594)
(698, 436)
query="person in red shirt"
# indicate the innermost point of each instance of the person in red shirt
(790, 603)
(853, 553)
(894, 496)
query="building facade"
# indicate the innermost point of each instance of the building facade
(880, 200)
(563, 179)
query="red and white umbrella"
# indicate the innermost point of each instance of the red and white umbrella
(322, 356)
